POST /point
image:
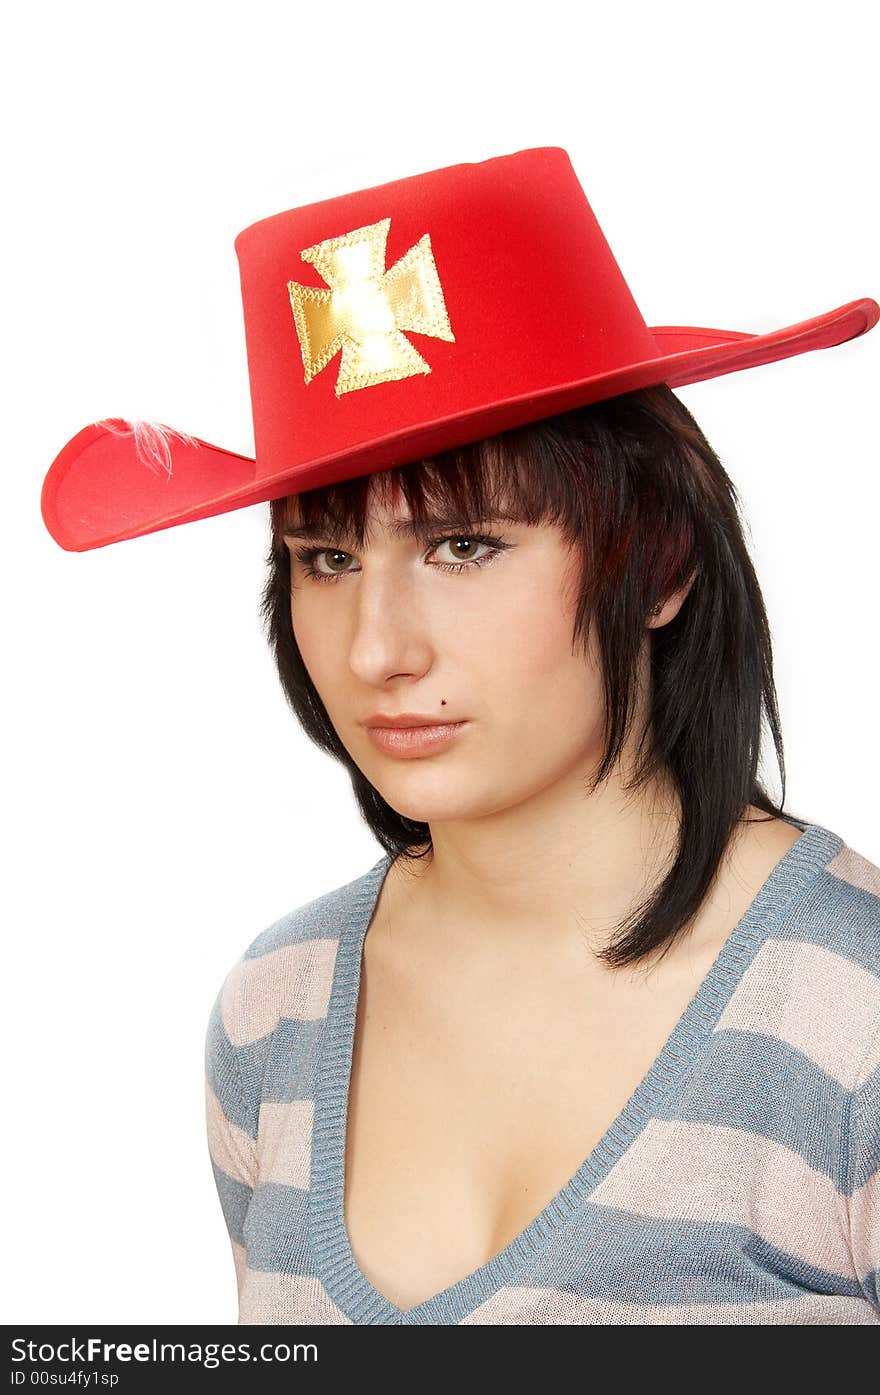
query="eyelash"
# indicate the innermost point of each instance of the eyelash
(307, 555)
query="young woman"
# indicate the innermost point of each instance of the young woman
(597, 1039)
(572, 1052)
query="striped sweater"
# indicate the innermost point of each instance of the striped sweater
(740, 1184)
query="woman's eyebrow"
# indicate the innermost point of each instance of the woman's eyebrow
(400, 528)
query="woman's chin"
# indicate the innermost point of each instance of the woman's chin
(428, 806)
(429, 811)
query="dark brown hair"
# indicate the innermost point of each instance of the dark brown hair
(636, 485)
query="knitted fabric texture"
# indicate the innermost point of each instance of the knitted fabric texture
(740, 1184)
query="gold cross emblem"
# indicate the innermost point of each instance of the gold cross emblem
(367, 308)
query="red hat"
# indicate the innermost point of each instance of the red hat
(386, 325)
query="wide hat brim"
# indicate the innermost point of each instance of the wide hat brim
(105, 487)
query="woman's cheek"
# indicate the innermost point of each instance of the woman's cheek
(315, 640)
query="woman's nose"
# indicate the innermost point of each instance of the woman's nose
(390, 629)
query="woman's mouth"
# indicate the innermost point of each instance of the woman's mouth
(408, 742)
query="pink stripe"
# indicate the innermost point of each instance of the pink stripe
(864, 1210)
(704, 1172)
(535, 1306)
(294, 981)
(239, 1259)
(287, 1299)
(818, 1002)
(231, 1148)
(872, 1060)
(851, 867)
(285, 1142)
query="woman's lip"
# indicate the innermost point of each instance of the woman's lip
(414, 741)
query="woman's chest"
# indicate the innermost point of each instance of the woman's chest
(468, 1114)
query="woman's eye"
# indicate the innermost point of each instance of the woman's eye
(335, 560)
(463, 549)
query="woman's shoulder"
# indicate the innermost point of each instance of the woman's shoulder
(287, 970)
(854, 870)
(821, 891)
(814, 980)
(842, 907)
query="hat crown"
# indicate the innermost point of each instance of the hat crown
(404, 303)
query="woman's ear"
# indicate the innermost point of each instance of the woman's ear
(672, 604)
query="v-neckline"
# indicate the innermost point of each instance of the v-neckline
(335, 1262)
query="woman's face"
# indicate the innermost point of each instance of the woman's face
(398, 626)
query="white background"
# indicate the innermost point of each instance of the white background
(162, 807)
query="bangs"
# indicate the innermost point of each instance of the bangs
(508, 476)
